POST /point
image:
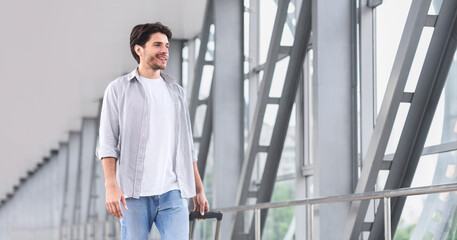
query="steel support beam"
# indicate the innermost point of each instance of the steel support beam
(285, 104)
(431, 82)
(386, 117)
(257, 121)
(423, 105)
(204, 37)
(293, 76)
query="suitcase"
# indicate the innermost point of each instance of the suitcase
(193, 215)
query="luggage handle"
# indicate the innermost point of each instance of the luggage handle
(196, 215)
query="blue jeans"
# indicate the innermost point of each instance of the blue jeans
(168, 211)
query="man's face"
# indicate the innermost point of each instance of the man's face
(155, 51)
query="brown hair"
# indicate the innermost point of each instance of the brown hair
(140, 35)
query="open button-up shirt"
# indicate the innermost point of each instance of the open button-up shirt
(124, 123)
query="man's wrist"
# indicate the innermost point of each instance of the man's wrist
(200, 190)
(110, 184)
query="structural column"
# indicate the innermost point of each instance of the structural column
(332, 113)
(227, 104)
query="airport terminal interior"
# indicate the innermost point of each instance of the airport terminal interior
(311, 119)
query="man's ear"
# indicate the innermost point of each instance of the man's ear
(139, 50)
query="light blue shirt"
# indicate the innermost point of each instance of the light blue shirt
(123, 134)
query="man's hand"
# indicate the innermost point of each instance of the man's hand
(114, 196)
(201, 203)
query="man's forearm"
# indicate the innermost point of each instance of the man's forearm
(109, 170)
(198, 180)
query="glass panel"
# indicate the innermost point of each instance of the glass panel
(444, 125)
(279, 76)
(259, 166)
(260, 77)
(435, 7)
(205, 84)
(268, 124)
(419, 59)
(279, 219)
(204, 229)
(382, 179)
(397, 128)
(199, 120)
(267, 18)
(431, 216)
(390, 20)
(209, 56)
(287, 38)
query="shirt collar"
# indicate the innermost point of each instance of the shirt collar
(134, 74)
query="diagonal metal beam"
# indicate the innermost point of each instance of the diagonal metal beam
(254, 136)
(294, 70)
(204, 37)
(205, 139)
(422, 110)
(394, 93)
(285, 103)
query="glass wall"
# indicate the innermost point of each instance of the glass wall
(428, 216)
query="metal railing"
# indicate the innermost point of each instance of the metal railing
(111, 230)
(386, 195)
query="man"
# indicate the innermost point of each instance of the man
(145, 130)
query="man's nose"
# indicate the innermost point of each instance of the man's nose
(164, 50)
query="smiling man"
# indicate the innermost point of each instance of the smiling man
(145, 135)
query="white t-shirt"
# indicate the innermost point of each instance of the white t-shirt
(159, 174)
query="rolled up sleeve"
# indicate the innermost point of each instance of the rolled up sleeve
(109, 125)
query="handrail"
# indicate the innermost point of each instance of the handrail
(348, 197)
(386, 195)
(310, 202)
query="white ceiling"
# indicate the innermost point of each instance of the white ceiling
(56, 58)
